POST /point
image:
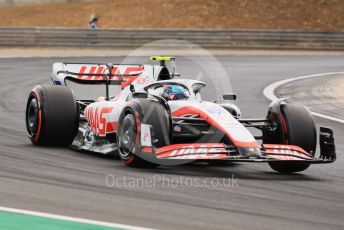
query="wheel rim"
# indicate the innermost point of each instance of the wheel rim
(127, 137)
(32, 117)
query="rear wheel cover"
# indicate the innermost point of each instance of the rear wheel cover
(32, 116)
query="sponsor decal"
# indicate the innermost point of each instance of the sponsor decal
(57, 82)
(146, 139)
(135, 71)
(98, 120)
(82, 71)
(193, 151)
(177, 128)
(91, 70)
(216, 110)
(287, 152)
(142, 80)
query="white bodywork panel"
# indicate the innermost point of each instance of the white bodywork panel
(217, 116)
(103, 116)
(146, 138)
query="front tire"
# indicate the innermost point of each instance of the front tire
(52, 116)
(151, 113)
(295, 126)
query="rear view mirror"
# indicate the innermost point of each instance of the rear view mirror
(132, 88)
(231, 97)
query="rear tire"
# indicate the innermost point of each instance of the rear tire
(154, 114)
(52, 116)
(295, 127)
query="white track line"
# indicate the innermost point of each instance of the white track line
(71, 219)
(269, 92)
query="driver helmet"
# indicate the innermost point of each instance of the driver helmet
(174, 92)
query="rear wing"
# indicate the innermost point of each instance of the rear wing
(85, 72)
(96, 73)
(109, 74)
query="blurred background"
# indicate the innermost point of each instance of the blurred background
(310, 15)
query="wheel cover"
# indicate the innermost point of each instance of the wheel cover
(127, 137)
(32, 117)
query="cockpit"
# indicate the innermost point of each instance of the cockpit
(173, 90)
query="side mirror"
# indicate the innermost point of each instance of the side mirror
(231, 97)
(132, 88)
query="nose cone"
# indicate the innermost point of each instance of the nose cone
(217, 117)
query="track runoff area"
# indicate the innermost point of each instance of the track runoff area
(18, 219)
(269, 92)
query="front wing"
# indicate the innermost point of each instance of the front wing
(184, 153)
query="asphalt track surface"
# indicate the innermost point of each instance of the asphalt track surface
(65, 182)
(322, 94)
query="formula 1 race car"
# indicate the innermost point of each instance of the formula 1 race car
(150, 117)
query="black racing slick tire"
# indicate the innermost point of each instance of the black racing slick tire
(151, 113)
(52, 116)
(295, 127)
